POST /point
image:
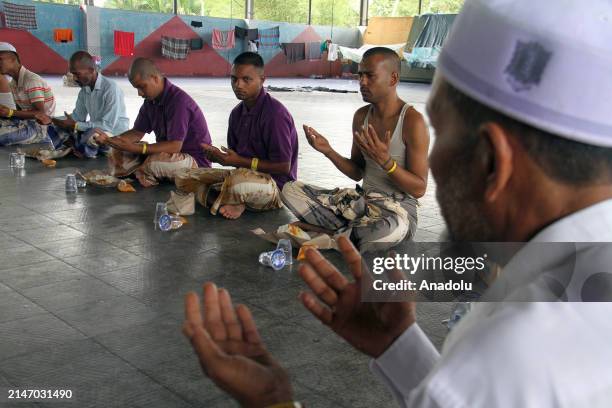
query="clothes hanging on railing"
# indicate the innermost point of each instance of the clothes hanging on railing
(196, 44)
(269, 38)
(294, 52)
(124, 43)
(175, 48)
(249, 33)
(19, 16)
(223, 40)
(313, 51)
(62, 35)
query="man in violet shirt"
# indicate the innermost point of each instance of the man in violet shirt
(262, 146)
(176, 120)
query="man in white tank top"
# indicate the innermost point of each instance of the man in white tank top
(389, 152)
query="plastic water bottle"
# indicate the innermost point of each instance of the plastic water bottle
(160, 209)
(168, 222)
(275, 259)
(460, 310)
(17, 160)
(71, 183)
(285, 245)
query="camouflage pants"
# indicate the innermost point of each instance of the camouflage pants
(26, 131)
(374, 221)
(149, 170)
(257, 191)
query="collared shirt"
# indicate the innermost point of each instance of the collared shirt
(517, 354)
(31, 88)
(175, 116)
(105, 106)
(266, 132)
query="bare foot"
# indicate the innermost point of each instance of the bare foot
(232, 212)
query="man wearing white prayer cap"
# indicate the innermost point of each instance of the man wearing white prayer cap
(522, 110)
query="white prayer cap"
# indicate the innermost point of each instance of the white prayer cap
(4, 46)
(544, 63)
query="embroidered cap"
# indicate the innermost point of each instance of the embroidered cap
(4, 46)
(544, 64)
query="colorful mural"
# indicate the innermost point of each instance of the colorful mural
(42, 53)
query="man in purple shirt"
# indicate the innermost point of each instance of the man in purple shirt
(175, 118)
(262, 145)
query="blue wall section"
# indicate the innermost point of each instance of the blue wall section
(50, 16)
(141, 24)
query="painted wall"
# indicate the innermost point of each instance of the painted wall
(36, 48)
(148, 29)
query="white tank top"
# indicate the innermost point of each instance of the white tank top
(375, 178)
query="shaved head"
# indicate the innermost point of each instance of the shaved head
(143, 68)
(82, 58)
(392, 60)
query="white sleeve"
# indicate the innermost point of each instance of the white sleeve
(404, 366)
(6, 99)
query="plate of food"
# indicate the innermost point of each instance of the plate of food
(99, 178)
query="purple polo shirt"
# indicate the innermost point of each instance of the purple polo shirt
(267, 132)
(176, 116)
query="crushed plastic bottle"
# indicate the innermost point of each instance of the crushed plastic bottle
(275, 259)
(169, 222)
(460, 310)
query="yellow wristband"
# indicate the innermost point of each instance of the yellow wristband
(254, 163)
(144, 148)
(393, 168)
(11, 113)
(287, 405)
(75, 126)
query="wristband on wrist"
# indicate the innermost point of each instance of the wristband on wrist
(10, 113)
(393, 168)
(144, 148)
(254, 163)
(76, 124)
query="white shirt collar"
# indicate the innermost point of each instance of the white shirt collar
(591, 224)
(556, 248)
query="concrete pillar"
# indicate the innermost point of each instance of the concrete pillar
(92, 30)
(248, 9)
(309, 12)
(363, 12)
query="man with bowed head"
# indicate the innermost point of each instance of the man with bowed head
(523, 152)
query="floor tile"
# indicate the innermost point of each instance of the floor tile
(71, 293)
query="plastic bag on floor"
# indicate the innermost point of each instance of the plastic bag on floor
(181, 203)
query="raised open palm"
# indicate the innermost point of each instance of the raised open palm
(231, 352)
(367, 326)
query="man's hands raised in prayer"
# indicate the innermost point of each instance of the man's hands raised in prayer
(369, 327)
(223, 156)
(231, 351)
(317, 141)
(233, 355)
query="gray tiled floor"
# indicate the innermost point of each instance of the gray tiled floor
(91, 295)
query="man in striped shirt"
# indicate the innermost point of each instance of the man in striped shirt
(33, 97)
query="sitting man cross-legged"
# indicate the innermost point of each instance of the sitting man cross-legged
(6, 97)
(389, 152)
(24, 119)
(262, 145)
(176, 119)
(100, 99)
